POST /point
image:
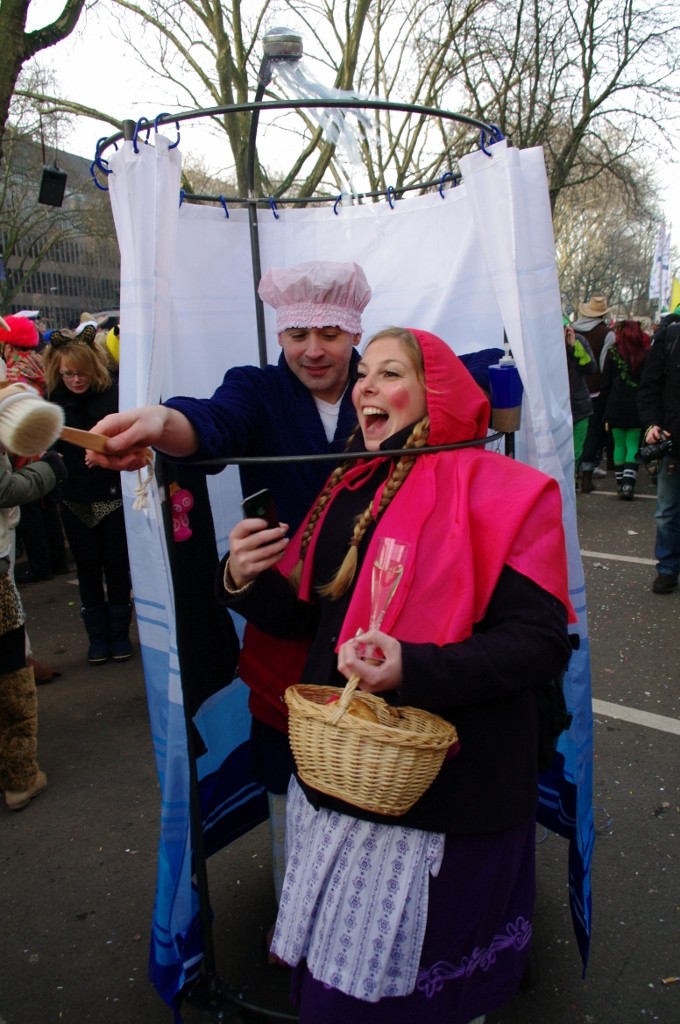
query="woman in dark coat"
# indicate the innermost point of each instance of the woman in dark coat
(621, 377)
(78, 379)
(425, 917)
(580, 365)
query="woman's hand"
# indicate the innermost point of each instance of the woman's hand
(353, 659)
(253, 549)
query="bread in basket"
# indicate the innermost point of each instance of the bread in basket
(382, 761)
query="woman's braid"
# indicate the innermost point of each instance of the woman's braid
(321, 502)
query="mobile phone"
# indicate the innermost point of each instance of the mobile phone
(261, 506)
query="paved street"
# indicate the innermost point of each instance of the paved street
(78, 866)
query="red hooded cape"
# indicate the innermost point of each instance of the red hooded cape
(466, 514)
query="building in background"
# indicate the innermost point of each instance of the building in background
(59, 260)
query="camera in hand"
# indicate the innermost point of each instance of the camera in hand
(656, 450)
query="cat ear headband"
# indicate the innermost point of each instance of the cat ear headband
(81, 336)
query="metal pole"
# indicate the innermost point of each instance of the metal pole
(254, 231)
(279, 45)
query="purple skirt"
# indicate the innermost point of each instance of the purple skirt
(477, 940)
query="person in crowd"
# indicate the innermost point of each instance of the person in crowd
(658, 403)
(40, 530)
(300, 406)
(477, 623)
(666, 321)
(79, 381)
(621, 376)
(591, 324)
(42, 673)
(21, 351)
(580, 363)
(20, 776)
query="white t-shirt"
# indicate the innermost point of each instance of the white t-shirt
(329, 412)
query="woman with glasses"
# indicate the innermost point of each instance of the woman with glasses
(79, 380)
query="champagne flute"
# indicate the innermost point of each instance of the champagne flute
(388, 569)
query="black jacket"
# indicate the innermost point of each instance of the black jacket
(619, 387)
(659, 392)
(491, 784)
(83, 411)
(579, 372)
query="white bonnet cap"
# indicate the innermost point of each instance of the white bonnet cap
(318, 294)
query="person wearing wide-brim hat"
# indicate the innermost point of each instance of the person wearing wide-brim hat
(592, 325)
(595, 308)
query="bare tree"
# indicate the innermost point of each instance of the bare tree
(209, 56)
(588, 80)
(605, 240)
(18, 46)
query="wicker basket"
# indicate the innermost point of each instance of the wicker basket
(382, 766)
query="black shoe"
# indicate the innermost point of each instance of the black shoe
(27, 575)
(664, 583)
(627, 492)
(587, 486)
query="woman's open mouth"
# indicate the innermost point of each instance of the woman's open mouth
(374, 417)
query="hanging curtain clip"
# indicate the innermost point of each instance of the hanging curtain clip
(336, 204)
(223, 200)
(98, 159)
(495, 135)
(155, 125)
(182, 193)
(139, 126)
(272, 204)
(391, 194)
(105, 170)
(447, 176)
(100, 164)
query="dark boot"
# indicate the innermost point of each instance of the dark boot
(618, 470)
(628, 485)
(120, 616)
(97, 625)
(587, 481)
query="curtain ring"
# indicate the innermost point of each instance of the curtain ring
(445, 177)
(155, 125)
(139, 127)
(98, 157)
(98, 163)
(224, 206)
(495, 135)
(390, 193)
(272, 204)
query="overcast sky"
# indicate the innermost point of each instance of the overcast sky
(92, 68)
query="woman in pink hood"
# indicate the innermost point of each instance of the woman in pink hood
(424, 917)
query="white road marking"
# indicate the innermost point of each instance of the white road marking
(614, 494)
(646, 718)
(618, 558)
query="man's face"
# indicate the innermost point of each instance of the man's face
(319, 357)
